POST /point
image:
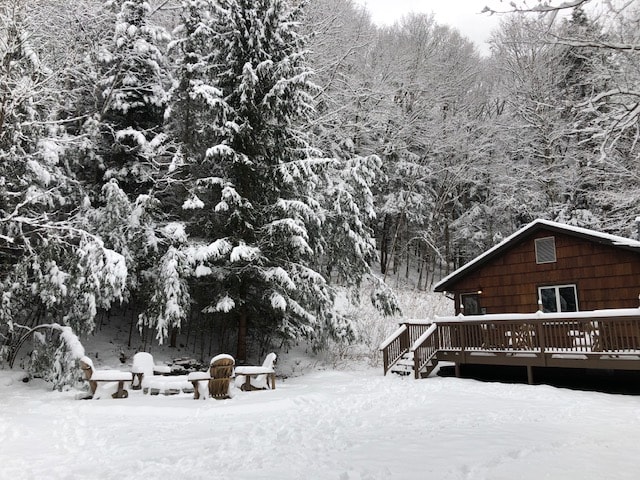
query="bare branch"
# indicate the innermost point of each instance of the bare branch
(544, 6)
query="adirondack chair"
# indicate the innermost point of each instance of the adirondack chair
(257, 377)
(221, 371)
(145, 373)
(216, 382)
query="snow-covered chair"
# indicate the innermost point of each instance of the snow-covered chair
(217, 381)
(221, 371)
(152, 378)
(105, 381)
(257, 378)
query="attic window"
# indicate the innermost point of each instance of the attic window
(546, 250)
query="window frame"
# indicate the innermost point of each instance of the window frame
(539, 241)
(476, 295)
(558, 298)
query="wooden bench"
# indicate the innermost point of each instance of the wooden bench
(155, 379)
(94, 377)
(261, 375)
(195, 378)
(252, 373)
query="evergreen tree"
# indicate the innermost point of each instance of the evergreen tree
(250, 201)
(52, 268)
(132, 100)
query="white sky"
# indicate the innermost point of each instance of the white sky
(464, 15)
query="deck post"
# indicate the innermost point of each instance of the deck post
(530, 374)
(457, 370)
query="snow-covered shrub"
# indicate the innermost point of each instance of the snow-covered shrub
(372, 327)
(55, 354)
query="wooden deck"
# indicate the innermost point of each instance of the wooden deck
(605, 339)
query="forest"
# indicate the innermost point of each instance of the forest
(236, 167)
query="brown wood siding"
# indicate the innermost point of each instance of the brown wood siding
(605, 276)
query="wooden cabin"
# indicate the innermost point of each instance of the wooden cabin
(548, 295)
(566, 268)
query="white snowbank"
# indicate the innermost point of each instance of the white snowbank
(325, 425)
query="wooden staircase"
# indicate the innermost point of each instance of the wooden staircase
(406, 366)
(411, 351)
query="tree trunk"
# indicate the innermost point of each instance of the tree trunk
(384, 245)
(241, 351)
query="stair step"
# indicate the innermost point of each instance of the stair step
(405, 362)
(402, 368)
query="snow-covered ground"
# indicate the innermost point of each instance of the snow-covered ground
(325, 424)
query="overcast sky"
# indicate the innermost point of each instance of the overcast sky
(464, 15)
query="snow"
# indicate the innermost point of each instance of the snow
(253, 370)
(280, 276)
(50, 152)
(115, 268)
(203, 271)
(244, 252)
(278, 302)
(222, 356)
(193, 203)
(111, 375)
(225, 304)
(71, 341)
(212, 251)
(175, 231)
(129, 132)
(327, 424)
(219, 151)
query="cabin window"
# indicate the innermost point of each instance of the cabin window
(546, 250)
(560, 298)
(470, 303)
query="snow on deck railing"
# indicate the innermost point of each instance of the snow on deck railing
(422, 338)
(393, 336)
(608, 313)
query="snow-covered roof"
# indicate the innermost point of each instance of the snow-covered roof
(593, 235)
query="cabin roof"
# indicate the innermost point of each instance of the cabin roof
(530, 229)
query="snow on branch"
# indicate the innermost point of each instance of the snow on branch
(223, 305)
(543, 6)
(280, 276)
(213, 251)
(244, 252)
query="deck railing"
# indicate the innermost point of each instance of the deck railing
(394, 347)
(585, 335)
(424, 349)
(399, 342)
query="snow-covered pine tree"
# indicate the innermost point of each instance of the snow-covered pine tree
(121, 159)
(52, 269)
(196, 108)
(250, 173)
(194, 100)
(132, 99)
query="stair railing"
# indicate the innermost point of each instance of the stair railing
(424, 349)
(394, 347)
